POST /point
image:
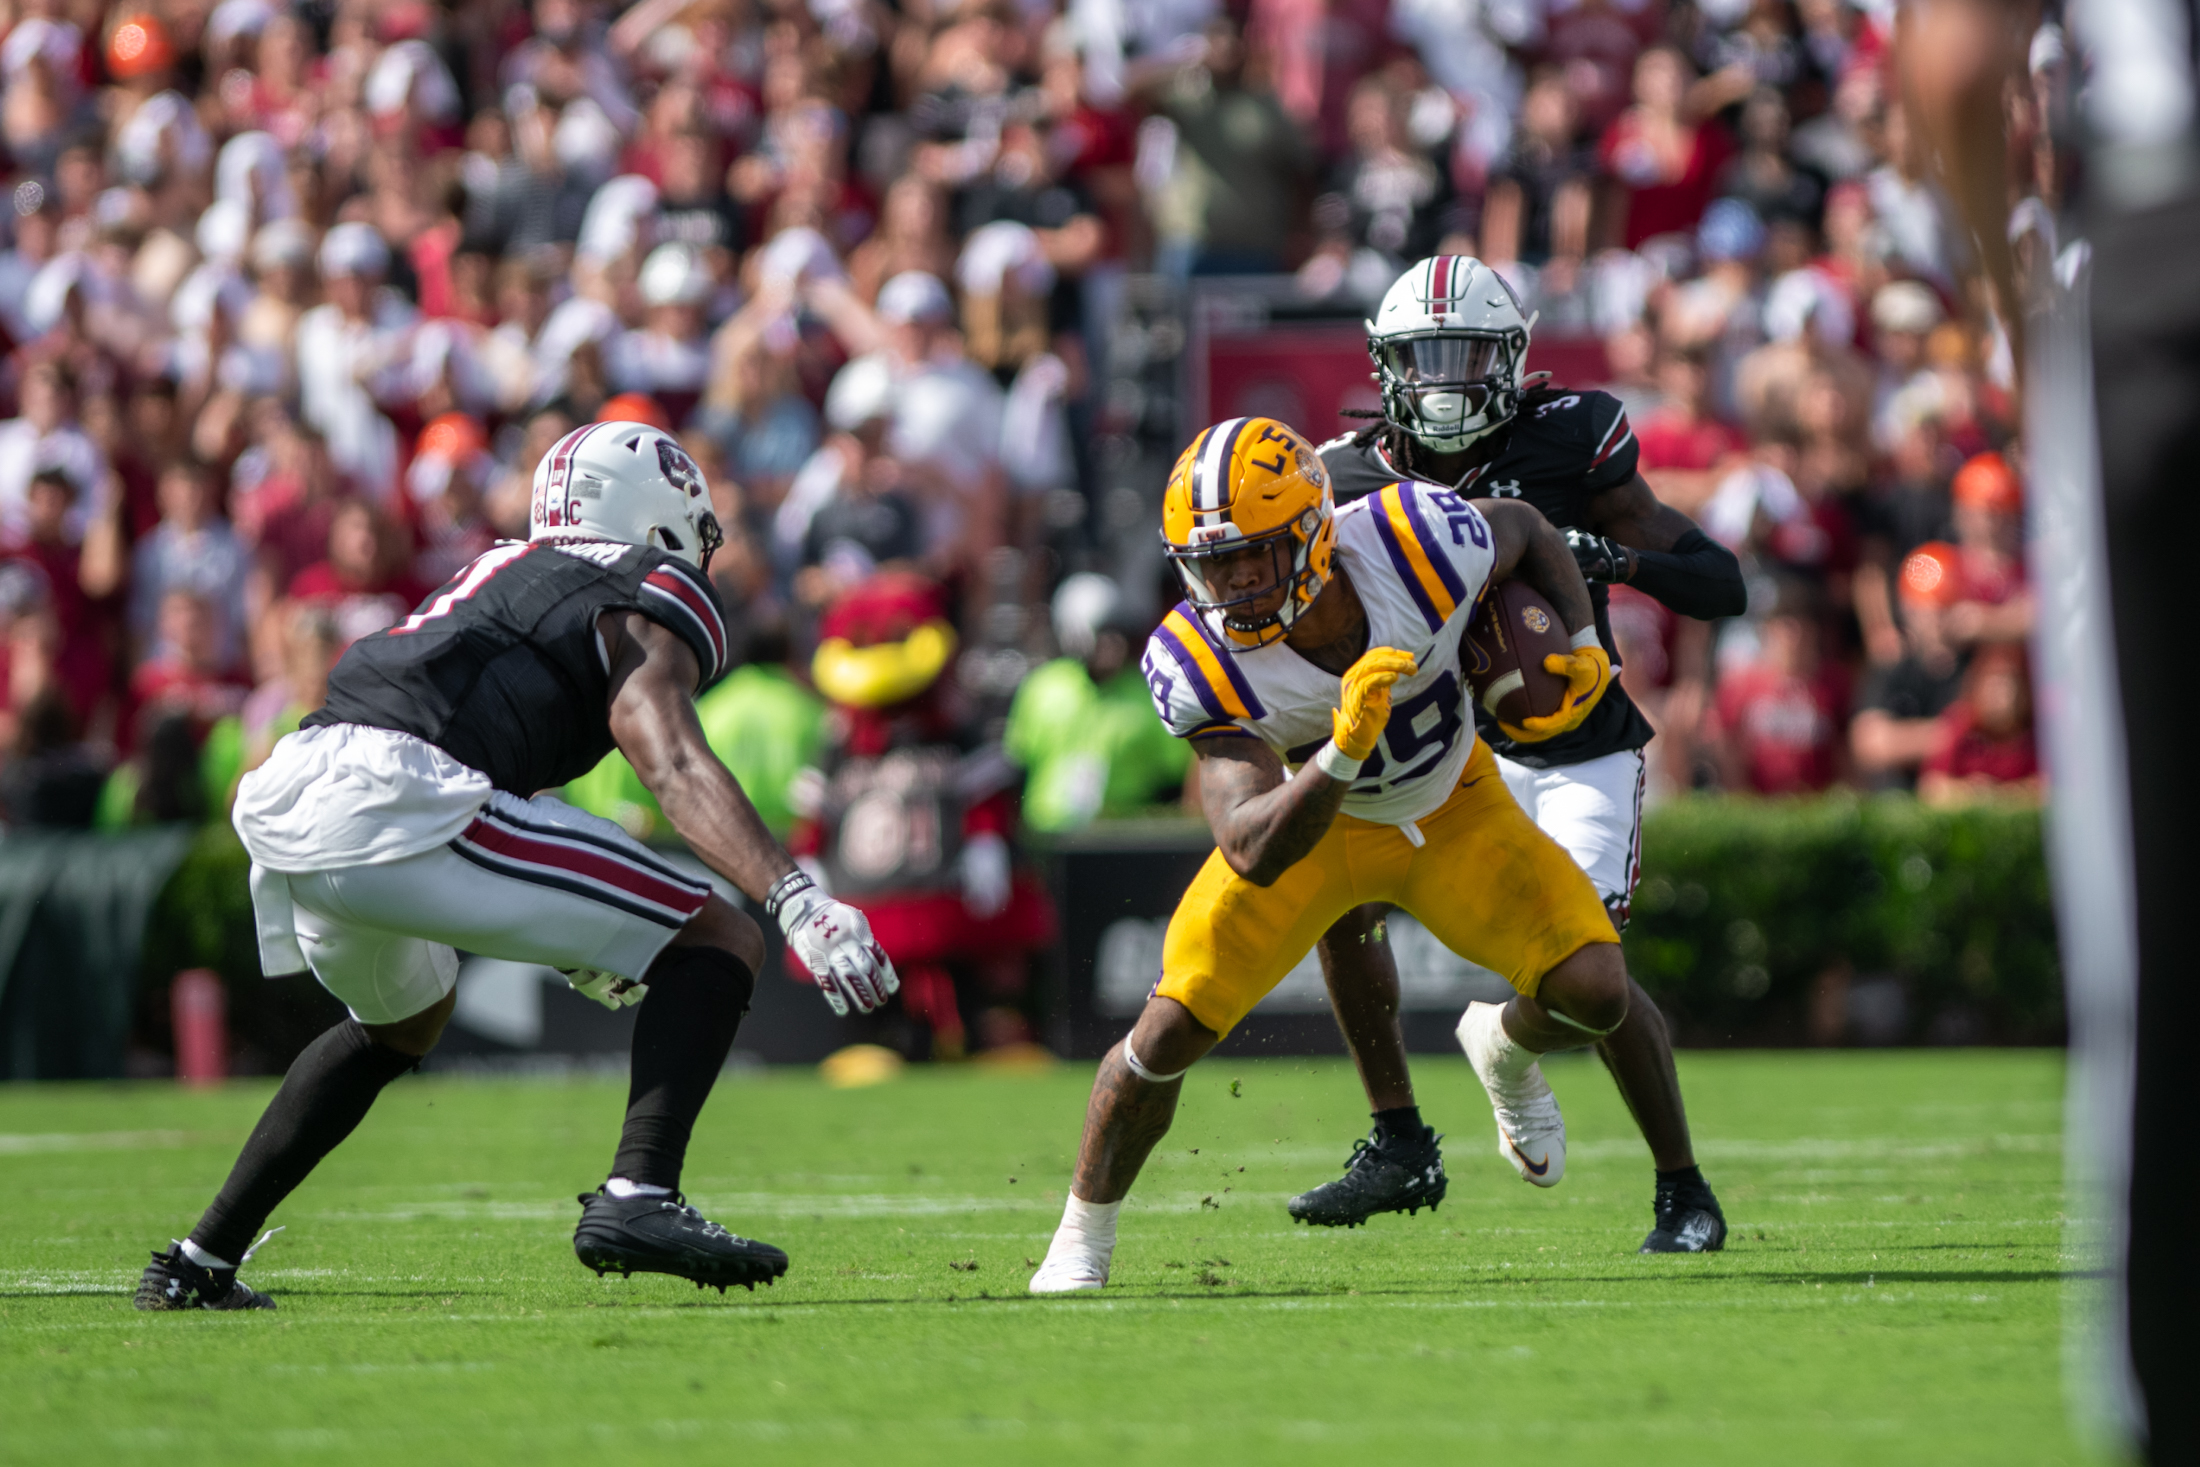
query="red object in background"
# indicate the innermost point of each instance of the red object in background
(1305, 375)
(1787, 729)
(199, 1009)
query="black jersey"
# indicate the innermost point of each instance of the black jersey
(502, 668)
(1561, 450)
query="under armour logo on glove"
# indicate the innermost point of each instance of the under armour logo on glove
(833, 940)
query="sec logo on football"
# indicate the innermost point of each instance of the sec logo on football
(1535, 619)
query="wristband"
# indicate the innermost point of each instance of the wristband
(790, 885)
(1335, 763)
(1586, 637)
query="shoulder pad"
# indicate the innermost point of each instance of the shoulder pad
(1197, 687)
(681, 597)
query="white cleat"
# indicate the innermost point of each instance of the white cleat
(1531, 1134)
(1073, 1266)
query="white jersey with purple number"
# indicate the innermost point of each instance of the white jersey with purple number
(1419, 556)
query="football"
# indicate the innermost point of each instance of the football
(1513, 630)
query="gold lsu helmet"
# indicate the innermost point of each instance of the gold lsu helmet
(1250, 486)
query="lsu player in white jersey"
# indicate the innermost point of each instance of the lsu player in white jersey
(1314, 667)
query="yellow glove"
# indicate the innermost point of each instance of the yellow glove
(1365, 702)
(1588, 672)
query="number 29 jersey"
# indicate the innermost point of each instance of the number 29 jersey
(1419, 556)
(502, 669)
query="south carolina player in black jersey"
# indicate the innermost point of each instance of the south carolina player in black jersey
(1450, 347)
(402, 823)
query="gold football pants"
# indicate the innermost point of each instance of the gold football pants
(1486, 882)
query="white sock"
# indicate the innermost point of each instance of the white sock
(1089, 1223)
(203, 1258)
(621, 1187)
(1514, 1059)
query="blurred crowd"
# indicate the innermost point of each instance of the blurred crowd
(294, 297)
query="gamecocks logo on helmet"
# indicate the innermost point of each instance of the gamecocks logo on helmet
(680, 470)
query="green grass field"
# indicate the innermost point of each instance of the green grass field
(1892, 1291)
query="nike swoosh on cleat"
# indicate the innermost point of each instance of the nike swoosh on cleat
(1538, 1168)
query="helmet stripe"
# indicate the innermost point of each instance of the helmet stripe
(1439, 290)
(1213, 472)
(1194, 485)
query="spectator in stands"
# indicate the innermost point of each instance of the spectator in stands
(668, 357)
(48, 436)
(912, 235)
(1986, 746)
(1781, 713)
(854, 508)
(362, 580)
(1539, 197)
(1988, 513)
(1241, 159)
(193, 549)
(1395, 199)
(82, 667)
(1899, 704)
(311, 644)
(1662, 156)
(449, 478)
(1680, 433)
(754, 409)
(1764, 174)
(185, 674)
(345, 348)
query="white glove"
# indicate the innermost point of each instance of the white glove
(833, 940)
(985, 875)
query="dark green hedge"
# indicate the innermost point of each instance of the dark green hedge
(1832, 920)
(1841, 919)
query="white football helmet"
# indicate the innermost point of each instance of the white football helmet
(626, 482)
(1451, 352)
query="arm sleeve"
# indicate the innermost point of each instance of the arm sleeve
(1698, 577)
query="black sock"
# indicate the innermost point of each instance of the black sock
(1683, 1179)
(682, 1034)
(322, 1100)
(1401, 1124)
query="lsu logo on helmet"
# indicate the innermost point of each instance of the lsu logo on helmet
(1250, 525)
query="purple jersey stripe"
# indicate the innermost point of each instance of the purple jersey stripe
(1411, 499)
(1191, 669)
(1230, 670)
(1404, 567)
(1218, 731)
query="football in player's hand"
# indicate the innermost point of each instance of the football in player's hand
(1512, 632)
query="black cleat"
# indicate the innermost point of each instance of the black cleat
(1688, 1221)
(662, 1234)
(173, 1281)
(1381, 1175)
